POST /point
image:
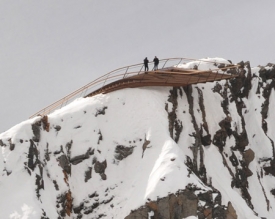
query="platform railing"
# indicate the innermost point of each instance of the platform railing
(110, 77)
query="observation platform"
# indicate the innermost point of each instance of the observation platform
(172, 76)
(180, 72)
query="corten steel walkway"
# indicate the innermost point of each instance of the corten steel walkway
(134, 76)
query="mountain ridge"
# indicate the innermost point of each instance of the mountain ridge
(189, 152)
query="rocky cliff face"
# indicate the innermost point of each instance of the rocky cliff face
(202, 151)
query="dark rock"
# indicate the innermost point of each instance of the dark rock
(197, 146)
(45, 123)
(32, 156)
(202, 172)
(174, 206)
(221, 65)
(203, 112)
(103, 176)
(206, 196)
(219, 139)
(226, 124)
(248, 156)
(100, 138)
(217, 88)
(78, 159)
(68, 148)
(262, 73)
(1, 143)
(79, 208)
(88, 210)
(101, 111)
(145, 145)
(230, 212)
(39, 182)
(93, 195)
(122, 152)
(108, 200)
(55, 185)
(218, 199)
(241, 140)
(47, 153)
(270, 169)
(94, 160)
(12, 146)
(57, 128)
(36, 131)
(265, 106)
(219, 212)
(175, 125)
(206, 140)
(189, 203)
(88, 174)
(234, 160)
(65, 200)
(141, 213)
(64, 163)
(100, 168)
(241, 85)
(207, 213)
(241, 178)
(189, 163)
(178, 129)
(248, 172)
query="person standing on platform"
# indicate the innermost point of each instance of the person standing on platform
(156, 63)
(146, 61)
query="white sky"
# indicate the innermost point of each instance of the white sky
(51, 48)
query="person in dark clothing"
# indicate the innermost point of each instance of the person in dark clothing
(156, 63)
(146, 61)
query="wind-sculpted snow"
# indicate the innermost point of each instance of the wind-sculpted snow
(202, 151)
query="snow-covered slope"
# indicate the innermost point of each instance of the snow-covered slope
(203, 151)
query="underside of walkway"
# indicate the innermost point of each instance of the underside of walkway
(172, 76)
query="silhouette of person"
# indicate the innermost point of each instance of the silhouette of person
(146, 61)
(156, 63)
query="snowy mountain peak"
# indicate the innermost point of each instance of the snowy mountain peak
(201, 151)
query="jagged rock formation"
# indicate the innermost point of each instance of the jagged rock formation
(205, 150)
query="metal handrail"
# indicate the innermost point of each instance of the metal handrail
(115, 74)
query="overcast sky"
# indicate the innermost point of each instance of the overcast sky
(50, 48)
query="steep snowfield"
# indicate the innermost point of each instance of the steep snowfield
(108, 155)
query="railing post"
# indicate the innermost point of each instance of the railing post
(165, 63)
(85, 92)
(62, 102)
(179, 61)
(105, 80)
(199, 64)
(126, 72)
(216, 75)
(140, 69)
